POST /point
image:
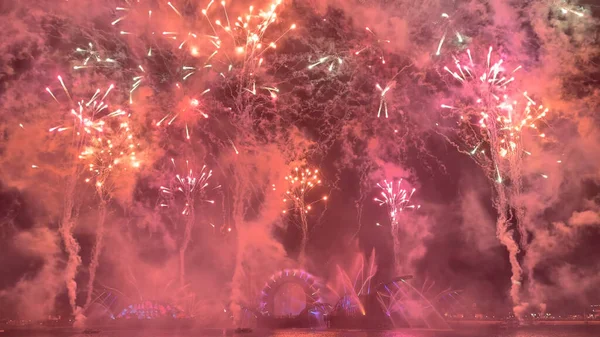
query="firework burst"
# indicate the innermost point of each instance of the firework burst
(488, 81)
(500, 128)
(190, 110)
(185, 191)
(113, 149)
(227, 39)
(88, 115)
(300, 198)
(395, 198)
(108, 156)
(301, 183)
(187, 188)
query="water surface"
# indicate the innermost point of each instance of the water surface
(546, 331)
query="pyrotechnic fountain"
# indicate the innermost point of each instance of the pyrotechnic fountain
(352, 288)
(395, 303)
(404, 304)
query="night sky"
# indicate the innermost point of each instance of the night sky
(168, 182)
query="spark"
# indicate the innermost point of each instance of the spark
(565, 11)
(320, 61)
(52, 94)
(234, 148)
(440, 45)
(173, 7)
(63, 86)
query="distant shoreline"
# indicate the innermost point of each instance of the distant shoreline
(525, 323)
(453, 324)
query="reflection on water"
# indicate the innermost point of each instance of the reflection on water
(549, 331)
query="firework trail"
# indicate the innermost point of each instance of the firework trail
(396, 199)
(184, 191)
(299, 200)
(88, 117)
(492, 129)
(108, 155)
(252, 174)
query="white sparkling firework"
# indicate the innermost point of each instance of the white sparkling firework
(395, 198)
(489, 81)
(188, 187)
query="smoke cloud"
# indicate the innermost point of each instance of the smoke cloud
(34, 296)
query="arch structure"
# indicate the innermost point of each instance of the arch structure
(309, 284)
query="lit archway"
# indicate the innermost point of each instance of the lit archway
(289, 292)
